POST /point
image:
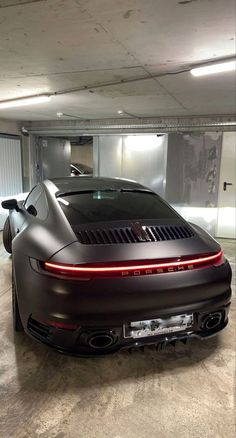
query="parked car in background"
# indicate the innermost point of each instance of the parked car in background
(78, 169)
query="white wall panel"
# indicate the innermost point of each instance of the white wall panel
(10, 166)
(144, 160)
(10, 171)
(138, 157)
(226, 223)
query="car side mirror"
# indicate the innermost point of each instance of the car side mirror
(10, 204)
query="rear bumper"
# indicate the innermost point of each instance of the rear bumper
(104, 305)
(77, 342)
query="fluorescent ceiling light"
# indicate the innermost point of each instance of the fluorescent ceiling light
(125, 113)
(214, 68)
(21, 101)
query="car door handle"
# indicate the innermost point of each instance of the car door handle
(225, 184)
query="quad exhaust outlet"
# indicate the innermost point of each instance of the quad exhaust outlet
(212, 320)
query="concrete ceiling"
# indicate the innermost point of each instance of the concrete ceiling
(53, 45)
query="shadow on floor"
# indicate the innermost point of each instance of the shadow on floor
(41, 369)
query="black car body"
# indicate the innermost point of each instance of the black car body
(101, 264)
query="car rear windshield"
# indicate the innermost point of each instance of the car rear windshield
(106, 206)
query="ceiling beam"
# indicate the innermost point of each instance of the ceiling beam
(132, 125)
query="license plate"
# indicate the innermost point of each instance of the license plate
(158, 326)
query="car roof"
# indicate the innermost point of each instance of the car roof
(72, 184)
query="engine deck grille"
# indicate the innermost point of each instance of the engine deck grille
(127, 235)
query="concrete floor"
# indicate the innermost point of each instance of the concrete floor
(184, 391)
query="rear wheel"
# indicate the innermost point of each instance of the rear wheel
(17, 324)
(7, 236)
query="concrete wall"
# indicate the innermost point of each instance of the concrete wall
(25, 143)
(9, 127)
(192, 180)
(82, 154)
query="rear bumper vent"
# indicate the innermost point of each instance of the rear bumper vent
(128, 234)
(37, 328)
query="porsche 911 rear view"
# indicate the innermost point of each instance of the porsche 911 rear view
(102, 264)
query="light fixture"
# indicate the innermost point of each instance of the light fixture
(59, 115)
(21, 101)
(125, 113)
(214, 68)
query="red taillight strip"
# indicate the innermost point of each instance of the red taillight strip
(91, 269)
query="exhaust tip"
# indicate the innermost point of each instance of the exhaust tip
(212, 320)
(101, 340)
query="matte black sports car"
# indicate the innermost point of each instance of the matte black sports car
(101, 264)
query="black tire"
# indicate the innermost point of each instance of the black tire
(17, 324)
(7, 236)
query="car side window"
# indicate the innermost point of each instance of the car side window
(42, 206)
(36, 203)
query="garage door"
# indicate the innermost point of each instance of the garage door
(10, 166)
(10, 170)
